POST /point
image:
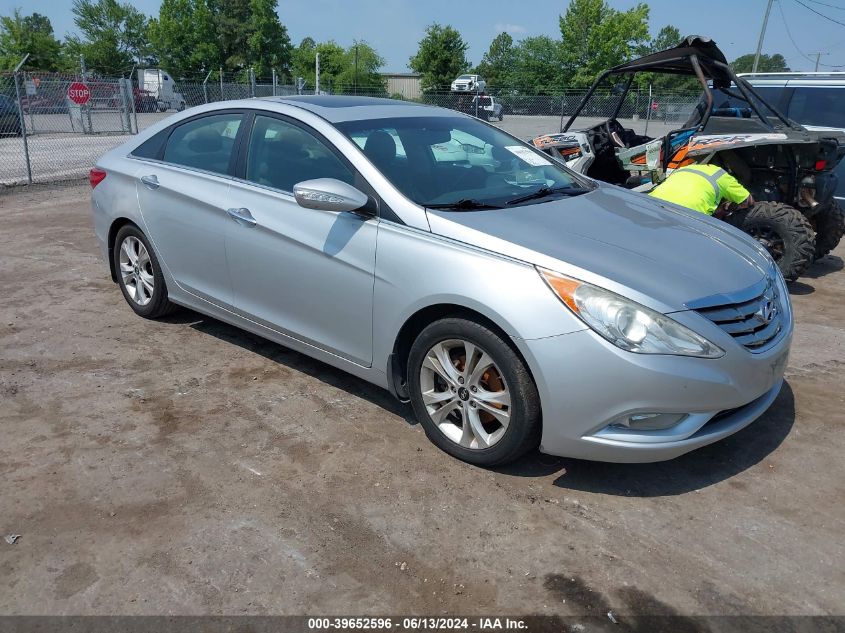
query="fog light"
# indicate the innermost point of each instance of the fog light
(649, 421)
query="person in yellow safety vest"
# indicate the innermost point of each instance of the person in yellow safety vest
(705, 188)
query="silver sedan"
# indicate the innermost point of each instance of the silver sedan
(513, 303)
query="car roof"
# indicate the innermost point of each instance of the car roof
(826, 79)
(337, 109)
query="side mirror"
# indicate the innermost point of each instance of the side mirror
(328, 194)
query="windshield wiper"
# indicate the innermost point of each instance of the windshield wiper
(466, 204)
(542, 192)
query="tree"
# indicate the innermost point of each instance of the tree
(184, 37)
(669, 36)
(768, 64)
(114, 36)
(302, 59)
(268, 43)
(361, 70)
(231, 19)
(536, 66)
(440, 58)
(31, 34)
(338, 70)
(497, 64)
(332, 61)
(597, 37)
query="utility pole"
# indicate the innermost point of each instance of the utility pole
(317, 75)
(762, 36)
(23, 121)
(356, 68)
(86, 107)
(818, 60)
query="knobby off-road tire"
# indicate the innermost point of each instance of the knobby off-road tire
(830, 227)
(136, 266)
(786, 234)
(472, 393)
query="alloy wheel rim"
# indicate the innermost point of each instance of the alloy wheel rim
(136, 270)
(465, 394)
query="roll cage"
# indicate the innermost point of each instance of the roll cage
(695, 56)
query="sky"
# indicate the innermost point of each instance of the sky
(395, 27)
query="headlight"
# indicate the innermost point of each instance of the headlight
(627, 324)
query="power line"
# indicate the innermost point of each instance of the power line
(791, 39)
(826, 17)
(825, 4)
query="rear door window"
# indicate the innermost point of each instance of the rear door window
(818, 106)
(282, 154)
(205, 143)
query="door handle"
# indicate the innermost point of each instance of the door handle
(151, 182)
(242, 216)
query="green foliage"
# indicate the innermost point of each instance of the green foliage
(668, 37)
(31, 34)
(192, 37)
(768, 64)
(536, 66)
(268, 43)
(231, 19)
(361, 70)
(302, 59)
(184, 37)
(440, 58)
(114, 36)
(338, 66)
(497, 65)
(597, 37)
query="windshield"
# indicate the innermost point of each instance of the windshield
(465, 77)
(455, 160)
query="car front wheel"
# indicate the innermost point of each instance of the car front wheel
(472, 393)
(139, 274)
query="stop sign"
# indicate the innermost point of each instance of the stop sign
(79, 93)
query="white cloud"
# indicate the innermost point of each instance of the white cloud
(513, 29)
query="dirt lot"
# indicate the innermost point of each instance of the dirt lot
(185, 467)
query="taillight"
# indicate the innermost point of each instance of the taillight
(820, 165)
(96, 176)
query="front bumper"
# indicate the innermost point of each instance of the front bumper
(586, 383)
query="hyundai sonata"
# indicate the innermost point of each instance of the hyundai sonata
(514, 303)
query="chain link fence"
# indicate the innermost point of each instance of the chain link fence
(46, 135)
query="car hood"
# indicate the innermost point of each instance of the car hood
(656, 253)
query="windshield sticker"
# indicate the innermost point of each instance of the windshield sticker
(523, 153)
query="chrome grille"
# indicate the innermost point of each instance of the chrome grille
(753, 323)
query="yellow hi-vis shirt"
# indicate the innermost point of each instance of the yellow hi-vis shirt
(701, 188)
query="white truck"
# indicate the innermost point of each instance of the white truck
(469, 83)
(159, 84)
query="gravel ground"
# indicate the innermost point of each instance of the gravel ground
(186, 467)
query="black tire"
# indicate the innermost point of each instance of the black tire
(786, 234)
(159, 305)
(522, 433)
(830, 227)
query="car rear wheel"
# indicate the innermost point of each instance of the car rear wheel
(830, 227)
(472, 393)
(785, 233)
(139, 274)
